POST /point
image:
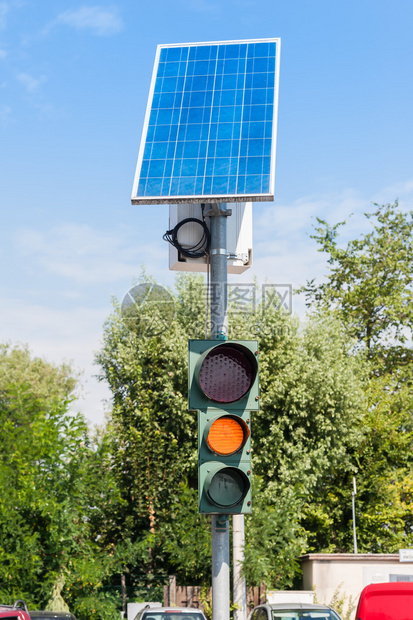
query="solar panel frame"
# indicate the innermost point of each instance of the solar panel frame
(183, 159)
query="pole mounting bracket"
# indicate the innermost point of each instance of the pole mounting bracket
(214, 209)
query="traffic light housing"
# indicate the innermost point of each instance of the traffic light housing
(223, 389)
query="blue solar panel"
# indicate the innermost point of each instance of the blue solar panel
(210, 126)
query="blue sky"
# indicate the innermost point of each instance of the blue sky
(74, 81)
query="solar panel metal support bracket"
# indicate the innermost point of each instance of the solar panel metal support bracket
(216, 210)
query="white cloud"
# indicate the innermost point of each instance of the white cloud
(402, 191)
(298, 217)
(101, 21)
(30, 83)
(67, 324)
(283, 251)
(70, 335)
(86, 255)
(3, 54)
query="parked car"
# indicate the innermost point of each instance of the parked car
(386, 601)
(18, 611)
(51, 615)
(170, 613)
(293, 611)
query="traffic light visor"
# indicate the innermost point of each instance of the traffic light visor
(227, 373)
(227, 435)
(227, 487)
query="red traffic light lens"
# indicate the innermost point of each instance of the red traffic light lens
(227, 435)
(227, 373)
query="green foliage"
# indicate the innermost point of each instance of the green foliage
(309, 423)
(144, 360)
(104, 606)
(56, 601)
(43, 381)
(369, 289)
(369, 284)
(344, 605)
(385, 491)
(274, 538)
(187, 537)
(206, 602)
(52, 494)
(36, 470)
(77, 513)
(310, 408)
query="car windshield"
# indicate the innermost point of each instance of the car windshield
(51, 615)
(168, 615)
(304, 614)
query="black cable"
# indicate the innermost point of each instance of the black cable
(196, 251)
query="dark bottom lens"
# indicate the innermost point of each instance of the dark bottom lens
(228, 487)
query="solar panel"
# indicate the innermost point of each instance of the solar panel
(210, 127)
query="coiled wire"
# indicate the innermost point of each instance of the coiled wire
(196, 251)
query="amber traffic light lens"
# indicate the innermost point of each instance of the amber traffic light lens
(227, 435)
(227, 374)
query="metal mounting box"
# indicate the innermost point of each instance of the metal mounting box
(239, 237)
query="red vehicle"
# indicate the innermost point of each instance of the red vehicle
(386, 601)
(18, 611)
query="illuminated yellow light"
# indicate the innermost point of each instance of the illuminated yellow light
(227, 435)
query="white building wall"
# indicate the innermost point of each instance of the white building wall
(344, 575)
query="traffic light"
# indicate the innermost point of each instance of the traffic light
(223, 389)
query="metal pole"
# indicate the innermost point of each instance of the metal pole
(218, 261)
(239, 586)
(353, 502)
(220, 567)
(219, 331)
(124, 595)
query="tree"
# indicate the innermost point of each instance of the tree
(370, 284)
(274, 537)
(187, 538)
(311, 405)
(43, 381)
(312, 397)
(33, 399)
(144, 360)
(369, 288)
(385, 461)
(307, 431)
(52, 495)
(382, 463)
